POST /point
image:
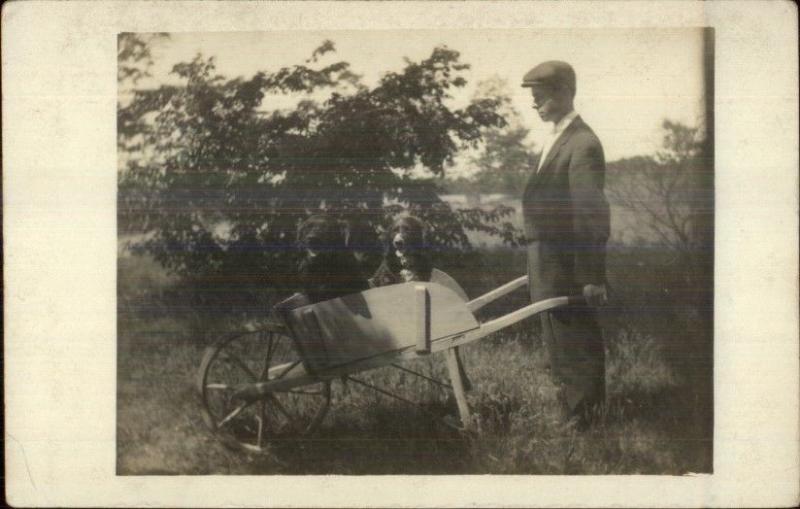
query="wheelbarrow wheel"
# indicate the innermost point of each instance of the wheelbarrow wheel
(247, 357)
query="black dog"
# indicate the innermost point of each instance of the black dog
(405, 256)
(329, 268)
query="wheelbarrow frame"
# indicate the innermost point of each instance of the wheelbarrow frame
(299, 373)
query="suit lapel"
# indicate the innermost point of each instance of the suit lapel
(559, 143)
(551, 155)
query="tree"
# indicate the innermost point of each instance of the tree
(658, 190)
(505, 158)
(134, 56)
(219, 179)
(671, 195)
(507, 161)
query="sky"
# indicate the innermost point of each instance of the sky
(628, 81)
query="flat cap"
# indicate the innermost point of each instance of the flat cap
(553, 73)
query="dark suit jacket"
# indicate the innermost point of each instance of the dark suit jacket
(566, 215)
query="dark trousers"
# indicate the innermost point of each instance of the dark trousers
(575, 345)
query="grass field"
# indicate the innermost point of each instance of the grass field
(652, 423)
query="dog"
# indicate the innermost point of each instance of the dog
(329, 268)
(405, 256)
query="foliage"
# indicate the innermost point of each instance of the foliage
(671, 195)
(660, 190)
(219, 178)
(134, 56)
(505, 159)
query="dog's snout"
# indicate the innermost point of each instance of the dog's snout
(398, 241)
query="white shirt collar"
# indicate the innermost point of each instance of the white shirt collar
(558, 128)
(565, 121)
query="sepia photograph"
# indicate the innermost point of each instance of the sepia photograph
(400, 254)
(415, 252)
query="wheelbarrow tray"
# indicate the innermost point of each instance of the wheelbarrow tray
(355, 327)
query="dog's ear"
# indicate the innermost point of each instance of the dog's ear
(385, 238)
(426, 231)
(344, 227)
(301, 229)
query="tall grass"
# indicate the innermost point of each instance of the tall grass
(648, 426)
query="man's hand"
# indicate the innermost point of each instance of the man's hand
(595, 295)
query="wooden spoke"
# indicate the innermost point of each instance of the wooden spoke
(264, 375)
(262, 418)
(236, 411)
(268, 360)
(282, 409)
(289, 368)
(306, 393)
(241, 364)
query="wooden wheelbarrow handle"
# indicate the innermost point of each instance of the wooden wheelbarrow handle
(491, 296)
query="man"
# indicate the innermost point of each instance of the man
(567, 225)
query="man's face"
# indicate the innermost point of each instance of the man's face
(548, 104)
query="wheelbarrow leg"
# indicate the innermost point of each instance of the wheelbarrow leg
(461, 371)
(457, 381)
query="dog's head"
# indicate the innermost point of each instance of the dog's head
(322, 233)
(408, 235)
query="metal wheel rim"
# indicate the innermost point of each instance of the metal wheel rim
(261, 443)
